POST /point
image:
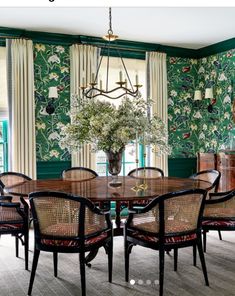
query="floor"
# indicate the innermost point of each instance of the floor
(187, 281)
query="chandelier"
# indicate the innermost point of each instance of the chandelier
(122, 89)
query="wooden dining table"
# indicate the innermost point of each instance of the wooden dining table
(98, 190)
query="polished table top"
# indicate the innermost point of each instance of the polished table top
(98, 189)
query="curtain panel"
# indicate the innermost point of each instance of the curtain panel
(157, 92)
(20, 79)
(83, 62)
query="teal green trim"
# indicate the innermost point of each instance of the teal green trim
(138, 49)
(182, 167)
(128, 49)
(43, 37)
(216, 48)
(51, 169)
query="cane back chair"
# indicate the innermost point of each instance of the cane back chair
(78, 174)
(219, 213)
(69, 224)
(14, 220)
(170, 221)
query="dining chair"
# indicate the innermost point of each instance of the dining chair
(14, 220)
(219, 213)
(69, 224)
(146, 172)
(170, 221)
(213, 177)
(8, 179)
(78, 174)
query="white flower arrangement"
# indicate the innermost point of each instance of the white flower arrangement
(110, 128)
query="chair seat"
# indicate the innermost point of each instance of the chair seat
(168, 240)
(74, 243)
(6, 226)
(219, 223)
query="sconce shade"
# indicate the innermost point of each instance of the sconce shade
(209, 93)
(197, 95)
(53, 92)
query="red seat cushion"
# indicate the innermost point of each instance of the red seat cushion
(74, 243)
(168, 240)
(10, 226)
(219, 223)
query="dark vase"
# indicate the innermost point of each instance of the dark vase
(114, 166)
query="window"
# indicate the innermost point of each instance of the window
(3, 110)
(134, 67)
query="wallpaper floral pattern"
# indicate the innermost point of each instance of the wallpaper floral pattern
(218, 72)
(51, 68)
(191, 127)
(182, 118)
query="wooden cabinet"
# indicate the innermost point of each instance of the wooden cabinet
(206, 161)
(226, 165)
(223, 162)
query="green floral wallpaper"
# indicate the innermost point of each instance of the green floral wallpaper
(51, 68)
(182, 118)
(218, 72)
(191, 127)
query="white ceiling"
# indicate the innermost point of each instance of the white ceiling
(192, 27)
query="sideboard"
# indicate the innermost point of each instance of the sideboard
(223, 162)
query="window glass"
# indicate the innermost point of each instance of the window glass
(134, 67)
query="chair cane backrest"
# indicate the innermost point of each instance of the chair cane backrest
(221, 205)
(8, 179)
(59, 216)
(172, 214)
(78, 174)
(212, 176)
(146, 172)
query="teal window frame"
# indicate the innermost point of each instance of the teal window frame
(4, 142)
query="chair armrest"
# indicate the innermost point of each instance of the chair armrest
(6, 198)
(225, 196)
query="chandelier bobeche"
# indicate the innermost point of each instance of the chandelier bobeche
(93, 90)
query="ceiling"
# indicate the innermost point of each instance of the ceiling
(189, 27)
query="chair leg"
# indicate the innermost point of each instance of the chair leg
(161, 270)
(204, 240)
(128, 246)
(17, 246)
(220, 235)
(202, 258)
(175, 258)
(110, 260)
(55, 261)
(26, 249)
(34, 267)
(194, 255)
(83, 272)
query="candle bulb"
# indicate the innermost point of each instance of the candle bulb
(120, 76)
(126, 83)
(136, 79)
(100, 84)
(83, 81)
(93, 78)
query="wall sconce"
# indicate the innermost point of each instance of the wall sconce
(209, 95)
(53, 94)
(197, 95)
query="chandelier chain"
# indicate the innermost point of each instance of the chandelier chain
(110, 31)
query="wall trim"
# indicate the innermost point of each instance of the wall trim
(132, 49)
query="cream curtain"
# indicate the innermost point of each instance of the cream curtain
(157, 91)
(22, 153)
(83, 62)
